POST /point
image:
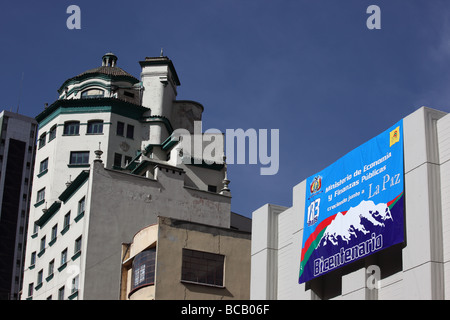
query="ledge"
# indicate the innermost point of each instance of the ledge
(83, 165)
(65, 229)
(40, 174)
(76, 255)
(48, 214)
(37, 204)
(73, 295)
(62, 267)
(74, 186)
(78, 217)
(41, 253)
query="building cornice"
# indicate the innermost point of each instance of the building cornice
(113, 105)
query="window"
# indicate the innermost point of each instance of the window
(51, 267)
(39, 276)
(128, 160)
(54, 232)
(79, 157)
(52, 133)
(92, 93)
(120, 128)
(212, 188)
(43, 166)
(74, 284)
(61, 293)
(130, 131)
(95, 127)
(64, 257)
(128, 94)
(40, 195)
(77, 245)
(202, 267)
(81, 205)
(42, 247)
(35, 228)
(30, 289)
(33, 258)
(143, 268)
(117, 160)
(41, 141)
(66, 221)
(71, 128)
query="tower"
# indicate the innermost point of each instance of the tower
(17, 148)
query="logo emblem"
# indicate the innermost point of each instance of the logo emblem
(394, 136)
(316, 184)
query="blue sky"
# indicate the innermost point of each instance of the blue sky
(311, 69)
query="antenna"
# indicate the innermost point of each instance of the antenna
(20, 94)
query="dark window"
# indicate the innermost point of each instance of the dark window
(130, 131)
(61, 293)
(54, 232)
(95, 126)
(30, 289)
(51, 267)
(64, 257)
(42, 140)
(202, 267)
(66, 220)
(40, 195)
(117, 159)
(79, 157)
(71, 128)
(120, 128)
(128, 160)
(52, 134)
(143, 268)
(128, 94)
(81, 206)
(43, 166)
(77, 245)
(212, 188)
(92, 93)
(40, 276)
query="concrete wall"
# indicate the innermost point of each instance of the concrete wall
(414, 270)
(174, 235)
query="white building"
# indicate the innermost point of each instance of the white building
(417, 268)
(17, 147)
(107, 165)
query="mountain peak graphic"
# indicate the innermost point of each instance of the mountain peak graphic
(348, 224)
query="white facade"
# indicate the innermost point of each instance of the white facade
(17, 147)
(417, 269)
(106, 167)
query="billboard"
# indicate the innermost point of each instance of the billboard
(354, 207)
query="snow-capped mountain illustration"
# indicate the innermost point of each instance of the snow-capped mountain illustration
(348, 225)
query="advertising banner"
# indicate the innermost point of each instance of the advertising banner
(355, 206)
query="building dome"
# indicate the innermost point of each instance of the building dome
(108, 70)
(109, 67)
